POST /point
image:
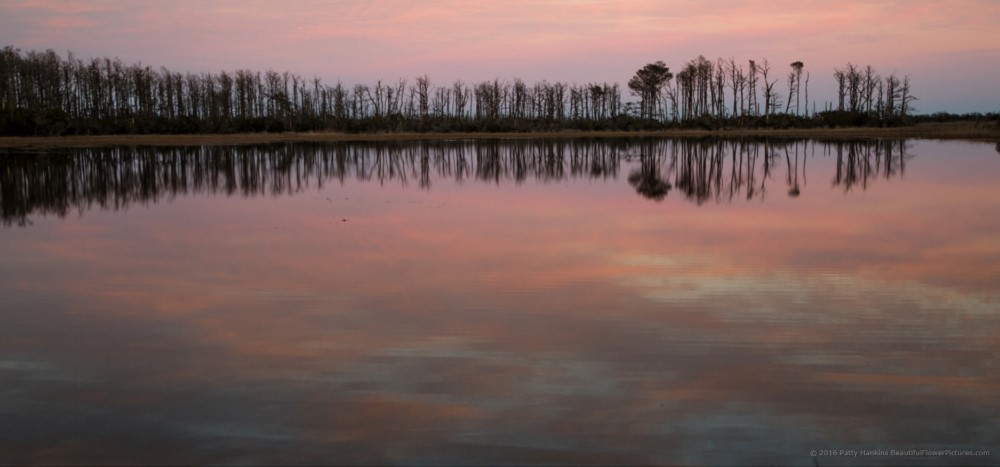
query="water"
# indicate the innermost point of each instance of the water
(538, 302)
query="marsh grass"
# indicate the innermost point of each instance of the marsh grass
(973, 131)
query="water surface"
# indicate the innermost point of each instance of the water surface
(539, 302)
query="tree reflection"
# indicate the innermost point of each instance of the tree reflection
(861, 162)
(702, 170)
(647, 178)
(793, 173)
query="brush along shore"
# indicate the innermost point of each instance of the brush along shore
(943, 131)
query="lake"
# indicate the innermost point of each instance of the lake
(568, 301)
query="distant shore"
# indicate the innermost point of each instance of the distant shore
(986, 132)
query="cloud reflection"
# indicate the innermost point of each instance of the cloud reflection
(539, 322)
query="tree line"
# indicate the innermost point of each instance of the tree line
(726, 92)
(43, 93)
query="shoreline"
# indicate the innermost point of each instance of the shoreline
(986, 132)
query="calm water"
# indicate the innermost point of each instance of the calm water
(539, 302)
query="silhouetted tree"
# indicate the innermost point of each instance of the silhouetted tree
(648, 84)
(906, 98)
(771, 98)
(794, 85)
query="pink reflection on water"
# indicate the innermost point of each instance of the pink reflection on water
(560, 322)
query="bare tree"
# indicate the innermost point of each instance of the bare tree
(794, 84)
(906, 98)
(771, 97)
(423, 95)
(461, 94)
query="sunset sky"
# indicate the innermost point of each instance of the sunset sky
(951, 49)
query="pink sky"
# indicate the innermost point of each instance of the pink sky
(950, 48)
